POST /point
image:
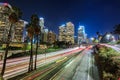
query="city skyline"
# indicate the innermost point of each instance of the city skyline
(59, 40)
(95, 15)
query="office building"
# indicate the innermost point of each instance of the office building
(5, 10)
(81, 35)
(62, 33)
(70, 32)
(45, 36)
(66, 33)
(18, 32)
(17, 28)
(51, 37)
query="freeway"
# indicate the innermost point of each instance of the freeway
(115, 47)
(67, 72)
(86, 70)
(49, 71)
(80, 68)
(19, 66)
(9, 61)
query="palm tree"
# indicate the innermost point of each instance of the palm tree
(17, 11)
(99, 36)
(37, 31)
(35, 23)
(13, 18)
(117, 30)
(30, 31)
(97, 33)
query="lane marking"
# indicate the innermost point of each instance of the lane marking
(88, 66)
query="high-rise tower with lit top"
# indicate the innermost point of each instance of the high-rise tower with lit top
(81, 34)
(66, 32)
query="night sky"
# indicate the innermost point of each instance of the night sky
(95, 15)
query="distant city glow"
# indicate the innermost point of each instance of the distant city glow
(46, 30)
(113, 38)
(63, 25)
(92, 38)
(81, 27)
(108, 36)
(41, 18)
(5, 4)
(1, 3)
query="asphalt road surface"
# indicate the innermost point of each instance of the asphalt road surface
(81, 68)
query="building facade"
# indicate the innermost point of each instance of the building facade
(70, 32)
(17, 29)
(42, 27)
(66, 33)
(62, 33)
(5, 10)
(51, 37)
(81, 35)
(18, 32)
(45, 36)
(41, 23)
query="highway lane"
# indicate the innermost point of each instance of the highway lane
(67, 72)
(81, 68)
(43, 60)
(86, 70)
(18, 66)
(45, 74)
(10, 61)
(45, 70)
(24, 68)
(26, 59)
(113, 47)
(117, 45)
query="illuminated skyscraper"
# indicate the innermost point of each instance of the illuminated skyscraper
(70, 32)
(51, 37)
(5, 10)
(66, 33)
(45, 34)
(25, 33)
(41, 23)
(18, 31)
(17, 28)
(81, 34)
(62, 33)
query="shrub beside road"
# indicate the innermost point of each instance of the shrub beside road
(40, 51)
(108, 61)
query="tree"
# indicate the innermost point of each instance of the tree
(37, 31)
(35, 23)
(13, 18)
(33, 28)
(99, 36)
(17, 11)
(117, 30)
(97, 33)
(30, 31)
